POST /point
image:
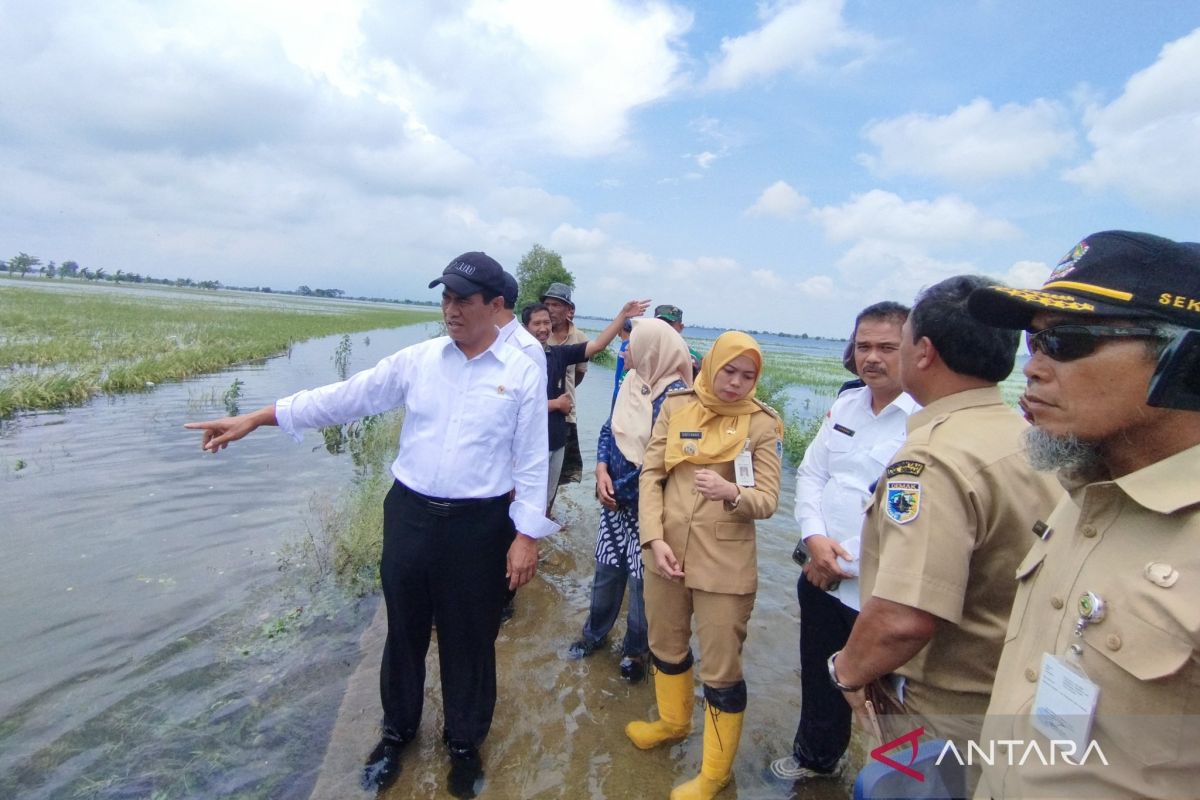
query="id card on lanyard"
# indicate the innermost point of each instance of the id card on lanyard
(743, 467)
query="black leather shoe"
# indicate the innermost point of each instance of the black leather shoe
(466, 771)
(383, 765)
(633, 669)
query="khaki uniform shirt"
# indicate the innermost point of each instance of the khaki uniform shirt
(713, 542)
(573, 336)
(1135, 542)
(952, 517)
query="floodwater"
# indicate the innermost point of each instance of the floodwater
(151, 647)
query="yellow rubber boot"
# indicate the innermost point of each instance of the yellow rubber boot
(676, 698)
(722, 730)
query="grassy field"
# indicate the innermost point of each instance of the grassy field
(58, 348)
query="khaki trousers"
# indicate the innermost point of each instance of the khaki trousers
(720, 625)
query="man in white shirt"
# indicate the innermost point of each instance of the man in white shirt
(474, 436)
(834, 483)
(511, 329)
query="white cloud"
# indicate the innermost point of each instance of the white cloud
(778, 200)
(1146, 143)
(705, 159)
(975, 142)
(569, 239)
(796, 36)
(884, 216)
(1026, 274)
(533, 74)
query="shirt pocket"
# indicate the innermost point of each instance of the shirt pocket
(1145, 682)
(1024, 576)
(497, 417)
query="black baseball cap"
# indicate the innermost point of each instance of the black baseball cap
(510, 290)
(1108, 274)
(470, 273)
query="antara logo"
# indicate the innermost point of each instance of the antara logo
(1013, 752)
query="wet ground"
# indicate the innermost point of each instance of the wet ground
(150, 646)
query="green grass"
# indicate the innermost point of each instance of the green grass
(59, 348)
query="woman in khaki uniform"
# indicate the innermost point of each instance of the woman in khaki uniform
(711, 469)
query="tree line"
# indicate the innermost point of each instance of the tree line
(535, 272)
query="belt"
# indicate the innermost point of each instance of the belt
(447, 507)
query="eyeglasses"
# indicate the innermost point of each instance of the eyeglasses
(1069, 342)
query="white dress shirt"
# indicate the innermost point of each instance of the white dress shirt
(515, 334)
(846, 458)
(472, 428)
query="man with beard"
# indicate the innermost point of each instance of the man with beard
(834, 483)
(949, 523)
(1103, 647)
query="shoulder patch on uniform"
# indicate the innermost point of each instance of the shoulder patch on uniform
(906, 467)
(767, 408)
(903, 499)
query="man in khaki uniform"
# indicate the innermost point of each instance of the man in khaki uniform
(1107, 611)
(950, 520)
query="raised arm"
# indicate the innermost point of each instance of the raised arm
(634, 308)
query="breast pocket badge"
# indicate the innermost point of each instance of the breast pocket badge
(903, 500)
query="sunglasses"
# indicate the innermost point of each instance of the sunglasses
(1069, 342)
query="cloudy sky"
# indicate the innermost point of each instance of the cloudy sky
(774, 165)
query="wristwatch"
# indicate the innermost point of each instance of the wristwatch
(834, 678)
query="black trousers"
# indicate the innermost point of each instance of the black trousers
(824, 730)
(572, 469)
(446, 570)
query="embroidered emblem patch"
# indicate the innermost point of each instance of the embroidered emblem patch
(689, 449)
(1067, 264)
(913, 468)
(903, 500)
(1047, 299)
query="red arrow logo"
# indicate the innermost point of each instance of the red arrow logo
(910, 739)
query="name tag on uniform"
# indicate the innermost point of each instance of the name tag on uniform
(743, 467)
(842, 429)
(690, 435)
(1065, 703)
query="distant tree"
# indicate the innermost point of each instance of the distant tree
(68, 269)
(304, 290)
(22, 263)
(50, 270)
(536, 271)
(100, 274)
(119, 276)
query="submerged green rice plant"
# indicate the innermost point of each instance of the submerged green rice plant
(60, 348)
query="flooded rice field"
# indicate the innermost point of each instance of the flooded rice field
(151, 646)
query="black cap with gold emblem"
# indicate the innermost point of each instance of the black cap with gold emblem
(1108, 274)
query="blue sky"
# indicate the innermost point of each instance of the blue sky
(773, 166)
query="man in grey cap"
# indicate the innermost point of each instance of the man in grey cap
(557, 299)
(464, 513)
